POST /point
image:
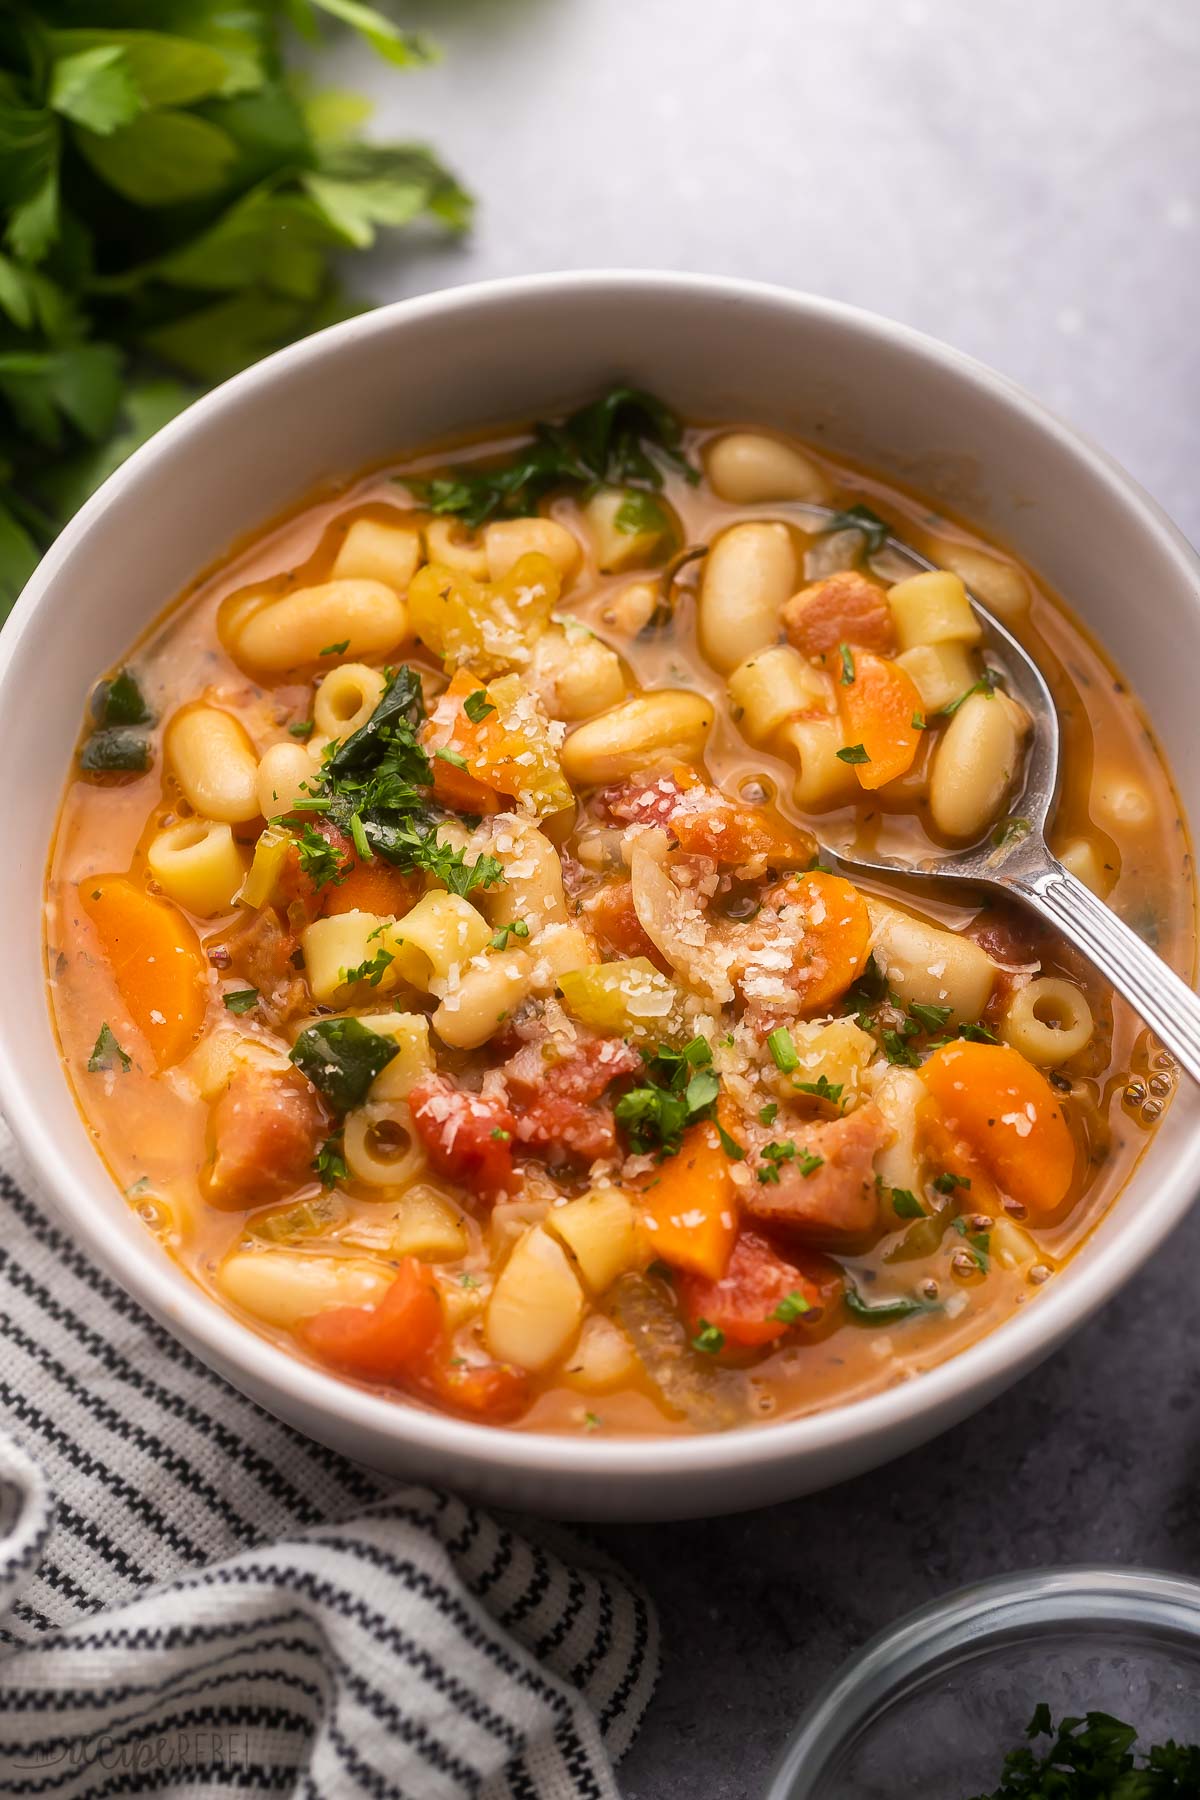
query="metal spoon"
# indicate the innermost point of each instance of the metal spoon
(1021, 865)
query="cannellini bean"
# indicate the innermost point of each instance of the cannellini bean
(1117, 801)
(670, 722)
(283, 774)
(974, 764)
(632, 609)
(363, 618)
(575, 676)
(1088, 864)
(928, 966)
(748, 574)
(488, 992)
(506, 541)
(1000, 585)
(214, 763)
(748, 468)
(282, 1288)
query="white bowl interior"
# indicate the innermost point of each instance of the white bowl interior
(406, 374)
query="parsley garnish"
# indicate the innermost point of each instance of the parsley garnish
(680, 1089)
(372, 971)
(241, 1000)
(1093, 1758)
(822, 1087)
(918, 722)
(320, 860)
(774, 1156)
(1009, 831)
(342, 1057)
(329, 1164)
(898, 1052)
(107, 1053)
(946, 1182)
(906, 1205)
(860, 518)
(499, 1134)
(766, 1114)
(335, 649)
(518, 929)
(978, 1034)
(979, 1243)
(607, 443)
(853, 753)
(929, 1018)
(809, 1163)
(477, 706)
(641, 513)
(882, 1312)
(987, 684)
(782, 1046)
(793, 1306)
(847, 656)
(453, 757)
(301, 728)
(708, 1339)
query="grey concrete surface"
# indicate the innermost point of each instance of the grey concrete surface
(1021, 179)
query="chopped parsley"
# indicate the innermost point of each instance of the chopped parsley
(906, 1205)
(499, 1134)
(1095, 1758)
(809, 1162)
(616, 441)
(680, 1089)
(708, 1338)
(359, 834)
(372, 970)
(329, 1164)
(301, 728)
(793, 1306)
(774, 1156)
(822, 1088)
(919, 722)
(860, 518)
(766, 1114)
(978, 1243)
(882, 1312)
(641, 514)
(477, 706)
(782, 1046)
(342, 1057)
(977, 1034)
(452, 757)
(847, 656)
(241, 1000)
(335, 649)
(321, 861)
(987, 684)
(107, 1054)
(929, 1018)
(518, 929)
(946, 1182)
(898, 1051)
(853, 753)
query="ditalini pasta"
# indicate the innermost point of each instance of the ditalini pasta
(445, 965)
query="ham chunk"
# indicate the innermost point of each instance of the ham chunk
(266, 954)
(837, 1202)
(265, 1130)
(845, 608)
(558, 1099)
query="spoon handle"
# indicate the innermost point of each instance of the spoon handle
(1154, 991)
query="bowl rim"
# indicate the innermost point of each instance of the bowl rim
(976, 1615)
(162, 1287)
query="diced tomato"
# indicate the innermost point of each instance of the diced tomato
(558, 1100)
(618, 930)
(648, 802)
(390, 1342)
(760, 1296)
(265, 1129)
(844, 608)
(494, 1392)
(468, 1137)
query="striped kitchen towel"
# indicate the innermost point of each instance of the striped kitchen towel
(196, 1600)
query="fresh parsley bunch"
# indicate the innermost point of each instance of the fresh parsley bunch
(172, 202)
(1093, 1758)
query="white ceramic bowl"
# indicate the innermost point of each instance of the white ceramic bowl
(387, 382)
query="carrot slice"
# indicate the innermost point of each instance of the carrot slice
(836, 934)
(1004, 1117)
(691, 1210)
(389, 1342)
(879, 708)
(374, 887)
(156, 960)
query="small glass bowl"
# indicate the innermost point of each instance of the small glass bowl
(931, 1706)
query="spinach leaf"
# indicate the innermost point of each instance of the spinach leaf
(342, 1057)
(118, 750)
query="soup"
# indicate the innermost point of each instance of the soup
(448, 971)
